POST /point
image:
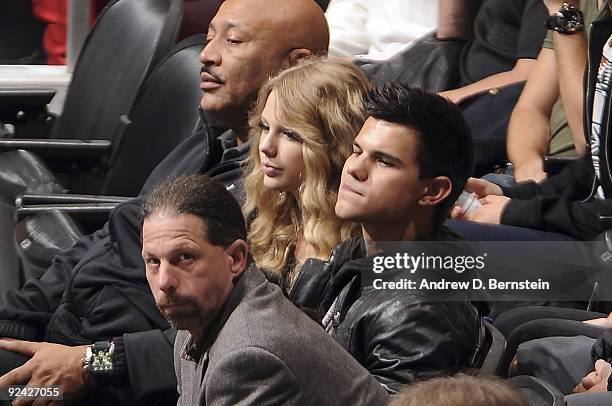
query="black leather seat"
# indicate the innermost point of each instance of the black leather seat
(493, 362)
(165, 113)
(128, 40)
(538, 391)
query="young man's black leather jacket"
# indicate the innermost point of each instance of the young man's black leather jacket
(568, 202)
(399, 336)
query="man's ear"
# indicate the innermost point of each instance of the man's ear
(238, 254)
(297, 54)
(436, 191)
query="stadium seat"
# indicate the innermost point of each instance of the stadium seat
(128, 40)
(165, 113)
(537, 391)
(493, 361)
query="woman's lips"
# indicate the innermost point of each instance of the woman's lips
(271, 171)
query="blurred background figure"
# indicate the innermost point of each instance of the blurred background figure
(377, 29)
(460, 390)
(20, 34)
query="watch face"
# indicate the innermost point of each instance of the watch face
(571, 21)
(99, 358)
(567, 20)
(101, 361)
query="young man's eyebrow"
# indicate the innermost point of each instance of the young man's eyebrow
(386, 157)
(380, 154)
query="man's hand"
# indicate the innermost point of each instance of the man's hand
(483, 188)
(490, 212)
(51, 364)
(596, 381)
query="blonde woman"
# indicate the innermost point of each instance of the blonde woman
(303, 126)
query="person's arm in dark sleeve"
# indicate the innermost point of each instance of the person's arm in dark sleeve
(145, 361)
(583, 220)
(24, 313)
(533, 30)
(575, 181)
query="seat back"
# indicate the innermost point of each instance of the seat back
(40, 237)
(537, 391)
(165, 113)
(129, 38)
(493, 361)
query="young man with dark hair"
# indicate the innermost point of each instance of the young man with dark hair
(240, 341)
(440, 136)
(409, 163)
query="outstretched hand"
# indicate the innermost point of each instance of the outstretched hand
(596, 381)
(50, 364)
(483, 188)
(491, 198)
(490, 212)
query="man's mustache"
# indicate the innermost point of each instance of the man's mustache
(170, 300)
(208, 69)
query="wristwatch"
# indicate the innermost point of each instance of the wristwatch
(98, 358)
(568, 20)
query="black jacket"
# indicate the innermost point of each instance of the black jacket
(98, 290)
(400, 335)
(574, 202)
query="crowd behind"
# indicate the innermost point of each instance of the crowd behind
(239, 275)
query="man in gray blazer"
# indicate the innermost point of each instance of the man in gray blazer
(240, 340)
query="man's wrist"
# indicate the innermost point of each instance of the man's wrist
(98, 358)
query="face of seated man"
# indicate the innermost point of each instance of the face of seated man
(381, 187)
(247, 41)
(190, 278)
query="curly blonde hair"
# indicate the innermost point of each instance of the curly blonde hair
(322, 100)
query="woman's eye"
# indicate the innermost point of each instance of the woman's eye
(292, 136)
(264, 127)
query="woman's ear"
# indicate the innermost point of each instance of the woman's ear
(436, 191)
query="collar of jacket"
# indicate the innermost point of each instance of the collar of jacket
(250, 278)
(349, 260)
